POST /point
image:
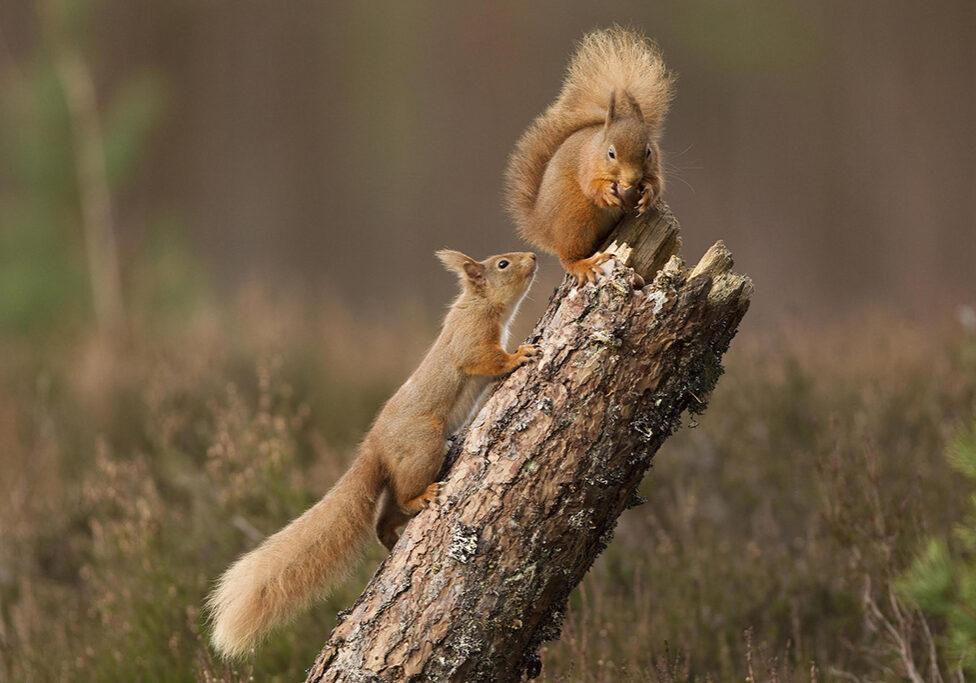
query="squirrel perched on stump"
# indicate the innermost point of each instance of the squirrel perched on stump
(398, 461)
(593, 154)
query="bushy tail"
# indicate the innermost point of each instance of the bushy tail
(271, 584)
(606, 61)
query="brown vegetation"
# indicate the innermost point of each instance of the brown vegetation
(128, 481)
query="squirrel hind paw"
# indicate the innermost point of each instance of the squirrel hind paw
(588, 269)
(429, 496)
(433, 491)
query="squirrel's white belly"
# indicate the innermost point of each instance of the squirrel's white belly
(469, 398)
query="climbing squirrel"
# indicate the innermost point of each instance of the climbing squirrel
(397, 463)
(593, 154)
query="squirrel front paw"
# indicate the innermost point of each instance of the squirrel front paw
(609, 196)
(648, 195)
(525, 352)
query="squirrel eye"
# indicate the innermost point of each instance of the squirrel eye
(648, 154)
(611, 153)
(503, 264)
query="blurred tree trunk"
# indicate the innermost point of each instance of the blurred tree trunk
(480, 579)
(89, 151)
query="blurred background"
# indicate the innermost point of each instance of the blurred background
(335, 146)
(216, 232)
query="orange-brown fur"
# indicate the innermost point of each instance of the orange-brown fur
(562, 188)
(397, 464)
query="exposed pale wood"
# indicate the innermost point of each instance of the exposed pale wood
(481, 579)
(650, 240)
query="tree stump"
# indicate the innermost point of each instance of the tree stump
(480, 579)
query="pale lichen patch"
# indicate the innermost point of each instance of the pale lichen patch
(464, 543)
(582, 519)
(658, 298)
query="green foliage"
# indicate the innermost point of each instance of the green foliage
(130, 117)
(167, 282)
(44, 275)
(42, 282)
(942, 580)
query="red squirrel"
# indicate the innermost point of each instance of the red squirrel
(593, 154)
(398, 461)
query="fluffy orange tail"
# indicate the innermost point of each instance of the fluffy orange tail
(271, 584)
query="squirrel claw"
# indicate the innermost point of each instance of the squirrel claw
(610, 196)
(588, 269)
(647, 197)
(415, 505)
(526, 352)
(429, 496)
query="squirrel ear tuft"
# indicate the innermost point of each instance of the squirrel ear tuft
(462, 264)
(452, 260)
(611, 109)
(635, 108)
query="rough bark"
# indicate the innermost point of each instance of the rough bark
(479, 580)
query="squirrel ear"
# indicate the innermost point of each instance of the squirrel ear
(475, 271)
(462, 264)
(611, 109)
(635, 108)
(452, 260)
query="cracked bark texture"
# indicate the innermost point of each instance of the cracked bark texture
(480, 579)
